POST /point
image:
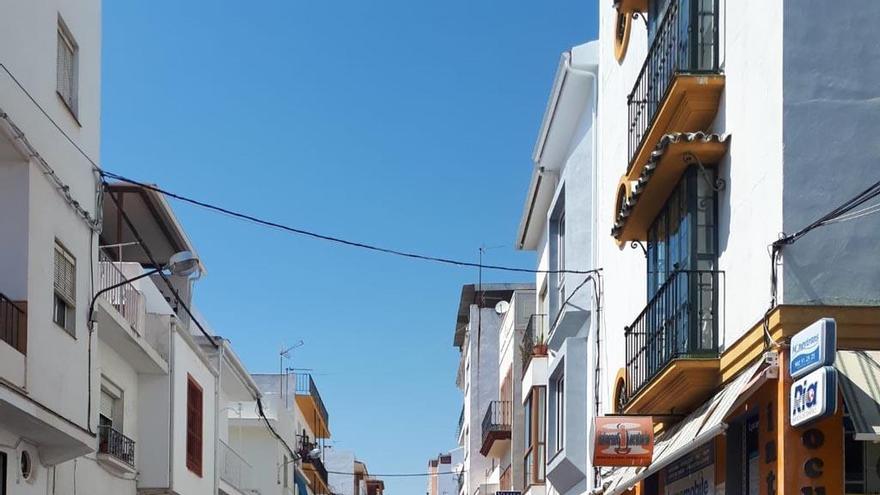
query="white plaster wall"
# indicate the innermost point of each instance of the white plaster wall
(483, 387)
(343, 462)
(751, 111)
(59, 384)
(187, 362)
(749, 208)
(831, 117)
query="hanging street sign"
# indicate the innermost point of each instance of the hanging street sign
(623, 441)
(814, 396)
(813, 347)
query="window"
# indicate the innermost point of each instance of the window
(861, 461)
(535, 433)
(286, 474)
(683, 235)
(194, 406)
(63, 309)
(67, 68)
(556, 237)
(560, 257)
(559, 399)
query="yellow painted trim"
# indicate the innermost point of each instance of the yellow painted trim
(690, 105)
(632, 6)
(857, 328)
(621, 44)
(313, 416)
(690, 379)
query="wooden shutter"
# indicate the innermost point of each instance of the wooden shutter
(194, 410)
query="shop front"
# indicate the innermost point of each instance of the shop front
(775, 428)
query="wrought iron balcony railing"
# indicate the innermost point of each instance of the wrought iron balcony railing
(497, 418)
(686, 42)
(13, 324)
(305, 385)
(680, 321)
(534, 339)
(114, 443)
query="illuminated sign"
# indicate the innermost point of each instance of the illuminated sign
(814, 396)
(623, 441)
(813, 347)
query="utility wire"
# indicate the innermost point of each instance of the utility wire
(398, 475)
(329, 238)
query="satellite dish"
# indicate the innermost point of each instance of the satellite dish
(502, 307)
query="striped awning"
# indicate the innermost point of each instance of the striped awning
(699, 427)
(860, 383)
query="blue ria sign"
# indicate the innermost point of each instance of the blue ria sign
(814, 396)
(813, 347)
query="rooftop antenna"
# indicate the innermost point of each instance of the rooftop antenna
(285, 353)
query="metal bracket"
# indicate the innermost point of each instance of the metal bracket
(635, 244)
(717, 185)
(639, 15)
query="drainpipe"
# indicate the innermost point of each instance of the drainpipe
(172, 330)
(217, 385)
(569, 69)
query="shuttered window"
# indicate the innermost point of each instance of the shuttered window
(194, 405)
(63, 312)
(67, 68)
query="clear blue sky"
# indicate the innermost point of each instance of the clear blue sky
(402, 123)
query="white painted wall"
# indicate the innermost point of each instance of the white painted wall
(34, 214)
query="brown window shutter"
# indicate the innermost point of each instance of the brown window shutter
(194, 412)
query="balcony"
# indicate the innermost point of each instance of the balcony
(310, 403)
(672, 359)
(534, 343)
(313, 466)
(679, 86)
(13, 323)
(126, 299)
(133, 319)
(115, 448)
(496, 428)
(234, 469)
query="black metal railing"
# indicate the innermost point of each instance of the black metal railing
(534, 337)
(680, 321)
(497, 418)
(305, 385)
(686, 42)
(13, 324)
(306, 450)
(114, 443)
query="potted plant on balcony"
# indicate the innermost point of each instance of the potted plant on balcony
(540, 346)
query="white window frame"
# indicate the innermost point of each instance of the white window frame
(66, 39)
(559, 399)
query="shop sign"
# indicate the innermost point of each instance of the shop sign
(814, 396)
(623, 441)
(693, 474)
(813, 347)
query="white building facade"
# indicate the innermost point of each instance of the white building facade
(49, 197)
(715, 139)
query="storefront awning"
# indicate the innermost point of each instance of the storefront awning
(697, 428)
(860, 383)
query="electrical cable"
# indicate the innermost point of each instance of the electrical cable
(271, 429)
(329, 238)
(155, 263)
(398, 475)
(844, 212)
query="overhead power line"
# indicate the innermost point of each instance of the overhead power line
(398, 475)
(329, 238)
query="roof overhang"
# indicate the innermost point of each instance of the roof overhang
(152, 217)
(571, 99)
(487, 296)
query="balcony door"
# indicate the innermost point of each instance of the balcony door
(682, 256)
